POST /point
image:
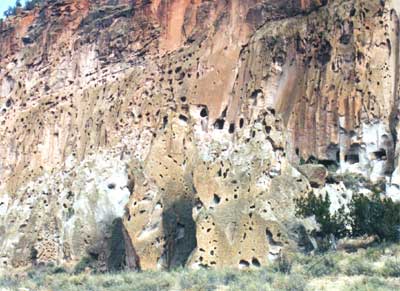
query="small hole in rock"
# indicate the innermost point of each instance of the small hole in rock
(204, 112)
(219, 124)
(255, 262)
(216, 199)
(241, 122)
(244, 263)
(380, 155)
(183, 118)
(232, 128)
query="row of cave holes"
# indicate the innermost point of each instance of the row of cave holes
(255, 262)
(218, 124)
(203, 113)
(242, 263)
(352, 157)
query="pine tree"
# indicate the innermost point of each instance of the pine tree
(10, 11)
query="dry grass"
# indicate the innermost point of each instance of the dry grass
(375, 268)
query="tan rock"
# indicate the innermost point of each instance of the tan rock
(316, 174)
(192, 111)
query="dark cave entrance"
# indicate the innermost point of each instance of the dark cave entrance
(353, 154)
(352, 158)
(380, 155)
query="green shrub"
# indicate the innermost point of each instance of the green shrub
(372, 283)
(373, 253)
(282, 265)
(10, 11)
(375, 216)
(85, 263)
(293, 282)
(359, 266)
(319, 207)
(352, 181)
(30, 4)
(201, 280)
(391, 268)
(322, 266)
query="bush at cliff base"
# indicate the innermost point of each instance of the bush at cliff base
(373, 216)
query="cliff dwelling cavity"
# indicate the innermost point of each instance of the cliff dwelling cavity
(353, 154)
(379, 155)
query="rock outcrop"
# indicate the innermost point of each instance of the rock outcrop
(191, 121)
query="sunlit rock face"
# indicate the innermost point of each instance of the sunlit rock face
(333, 77)
(177, 128)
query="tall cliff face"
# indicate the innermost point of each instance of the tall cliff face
(188, 120)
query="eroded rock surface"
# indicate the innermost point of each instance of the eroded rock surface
(191, 122)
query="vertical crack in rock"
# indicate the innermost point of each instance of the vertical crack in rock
(394, 114)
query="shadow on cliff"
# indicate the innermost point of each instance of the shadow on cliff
(180, 233)
(180, 239)
(121, 253)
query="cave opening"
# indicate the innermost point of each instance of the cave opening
(380, 155)
(219, 124)
(241, 122)
(352, 158)
(353, 154)
(204, 112)
(231, 128)
(333, 153)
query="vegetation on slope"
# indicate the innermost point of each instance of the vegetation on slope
(376, 216)
(29, 5)
(375, 268)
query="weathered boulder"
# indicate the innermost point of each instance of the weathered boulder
(316, 174)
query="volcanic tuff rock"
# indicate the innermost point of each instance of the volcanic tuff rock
(188, 120)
